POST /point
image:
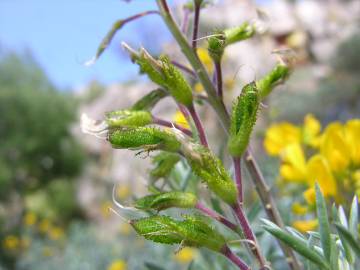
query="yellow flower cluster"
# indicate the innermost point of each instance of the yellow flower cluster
(117, 265)
(330, 158)
(185, 255)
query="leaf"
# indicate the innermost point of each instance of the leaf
(152, 266)
(334, 258)
(353, 218)
(297, 244)
(349, 238)
(324, 226)
(343, 221)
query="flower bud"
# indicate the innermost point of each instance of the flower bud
(192, 231)
(166, 200)
(147, 138)
(276, 76)
(216, 45)
(164, 163)
(148, 101)
(163, 73)
(243, 119)
(127, 118)
(211, 170)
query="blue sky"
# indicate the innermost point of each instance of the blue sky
(64, 34)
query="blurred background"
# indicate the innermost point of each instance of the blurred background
(56, 183)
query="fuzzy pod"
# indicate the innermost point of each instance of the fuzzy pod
(216, 45)
(147, 138)
(166, 200)
(164, 163)
(239, 33)
(128, 118)
(243, 118)
(148, 101)
(276, 76)
(211, 170)
(192, 231)
(163, 73)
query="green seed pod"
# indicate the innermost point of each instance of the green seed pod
(164, 163)
(166, 200)
(192, 231)
(216, 45)
(163, 73)
(211, 170)
(239, 33)
(276, 76)
(147, 138)
(127, 118)
(243, 119)
(148, 101)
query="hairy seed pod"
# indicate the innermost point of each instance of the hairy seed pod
(239, 33)
(192, 231)
(275, 77)
(147, 138)
(166, 200)
(163, 73)
(216, 45)
(211, 170)
(128, 118)
(243, 118)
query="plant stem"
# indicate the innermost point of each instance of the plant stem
(219, 81)
(244, 223)
(198, 67)
(197, 6)
(185, 21)
(269, 205)
(235, 259)
(211, 213)
(162, 122)
(199, 127)
(184, 68)
(238, 178)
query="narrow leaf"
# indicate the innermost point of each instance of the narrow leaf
(353, 218)
(343, 221)
(296, 243)
(349, 238)
(324, 225)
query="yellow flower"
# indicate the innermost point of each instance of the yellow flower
(305, 225)
(352, 135)
(278, 136)
(123, 191)
(185, 255)
(310, 196)
(311, 130)
(334, 147)
(30, 219)
(299, 209)
(55, 233)
(105, 209)
(44, 225)
(180, 119)
(318, 170)
(117, 265)
(205, 59)
(11, 242)
(294, 166)
(198, 87)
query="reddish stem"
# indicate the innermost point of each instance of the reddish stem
(219, 80)
(238, 178)
(185, 22)
(244, 223)
(211, 213)
(196, 25)
(162, 122)
(198, 125)
(235, 259)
